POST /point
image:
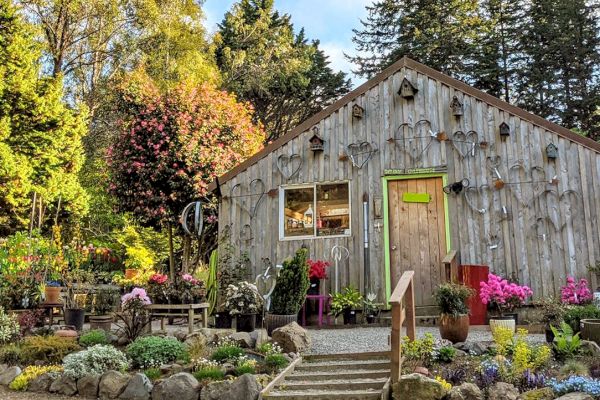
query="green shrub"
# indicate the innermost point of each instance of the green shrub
(154, 351)
(95, 360)
(47, 349)
(292, 284)
(9, 327)
(575, 314)
(274, 362)
(153, 373)
(566, 343)
(452, 298)
(245, 369)
(445, 354)
(91, 338)
(227, 352)
(10, 354)
(209, 373)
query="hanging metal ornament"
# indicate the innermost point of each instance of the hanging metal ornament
(192, 219)
(338, 253)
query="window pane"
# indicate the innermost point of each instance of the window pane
(333, 210)
(299, 212)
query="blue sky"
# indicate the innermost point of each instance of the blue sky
(330, 21)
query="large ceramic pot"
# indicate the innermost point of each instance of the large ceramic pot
(503, 322)
(274, 321)
(223, 320)
(103, 322)
(52, 294)
(75, 317)
(245, 322)
(454, 329)
(590, 330)
(349, 317)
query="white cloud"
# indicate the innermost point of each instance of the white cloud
(338, 62)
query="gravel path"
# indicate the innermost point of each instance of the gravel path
(6, 394)
(360, 340)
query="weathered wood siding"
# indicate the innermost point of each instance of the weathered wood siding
(551, 231)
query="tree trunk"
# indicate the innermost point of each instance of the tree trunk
(171, 256)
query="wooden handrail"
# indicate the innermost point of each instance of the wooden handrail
(403, 310)
(450, 265)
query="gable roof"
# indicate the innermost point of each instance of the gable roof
(406, 62)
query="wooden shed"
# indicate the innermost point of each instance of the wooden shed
(409, 167)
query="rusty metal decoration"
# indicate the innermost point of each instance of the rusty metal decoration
(479, 198)
(289, 165)
(192, 219)
(256, 189)
(465, 144)
(493, 164)
(360, 153)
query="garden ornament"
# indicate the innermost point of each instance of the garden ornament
(192, 219)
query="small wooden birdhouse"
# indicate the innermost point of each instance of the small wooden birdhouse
(407, 90)
(456, 106)
(316, 141)
(504, 129)
(357, 111)
(551, 151)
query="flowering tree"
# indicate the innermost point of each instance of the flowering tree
(504, 295)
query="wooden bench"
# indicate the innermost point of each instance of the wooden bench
(178, 311)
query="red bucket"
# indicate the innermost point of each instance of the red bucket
(471, 276)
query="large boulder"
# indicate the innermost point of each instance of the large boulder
(292, 338)
(112, 384)
(473, 348)
(503, 391)
(88, 385)
(538, 394)
(576, 396)
(243, 388)
(466, 391)
(242, 339)
(419, 387)
(259, 337)
(64, 385)
(41, 383)
(181, 386)
(9, 375)
(138, 388)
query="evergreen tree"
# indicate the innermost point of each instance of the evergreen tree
(40, 137)
(280, 73)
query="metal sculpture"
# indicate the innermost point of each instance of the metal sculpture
(192, 219)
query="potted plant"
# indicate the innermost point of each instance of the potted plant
(103, 305)
(371, 310)
(317, 271)
(452, 298)
(52, 292)
(244, 302)
(553, 312)
(498, 293)
(158, 288)
(289, 293)
(134, 315)
(346, 303)
(78, 283)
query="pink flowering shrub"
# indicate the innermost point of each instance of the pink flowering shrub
(503, 295)
(576, 293)
(136, 298)
(158, 279)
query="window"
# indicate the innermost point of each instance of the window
(315, 210)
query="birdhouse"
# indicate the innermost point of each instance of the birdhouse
(551, 151)
(357, 111)
(407, 90)
(456, 106)
(316, 141)
(504, 129)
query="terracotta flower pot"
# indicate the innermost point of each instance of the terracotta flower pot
(454, 329)
(52, 294)
(130, 273)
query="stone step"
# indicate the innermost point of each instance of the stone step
(343, 365)
(366, 394)
(330, 375)
(338, 384)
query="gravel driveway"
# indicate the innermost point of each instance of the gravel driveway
(361, 340)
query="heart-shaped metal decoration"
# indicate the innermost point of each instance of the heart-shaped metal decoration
(414, 141)
(265, 284)
(249, 199)
(527, 186)
(246, 234)
(360, 153)
(479, 198)
(289, 165)
(465, 144)
(570, 203)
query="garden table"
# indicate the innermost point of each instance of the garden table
(49, 310)
(323, 306)
(179, 310)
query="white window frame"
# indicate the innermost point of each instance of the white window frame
(313, 186)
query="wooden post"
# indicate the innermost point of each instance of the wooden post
(409, 297)
(403, 308)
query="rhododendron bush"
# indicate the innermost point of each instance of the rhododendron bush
(502, 294)
(173, 145)
(576, 293)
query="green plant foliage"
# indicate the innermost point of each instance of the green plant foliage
(575, 314)
(348, 299)
(227, 352)
(9, 327)
(212, 284)
(566, 344)
(154, 351)
(153, 373)
(445, 354)
(574, 367)
(95, 360)
(419, 351)
(276, 361)
(452, 298)
(47, 349)
(22, 381)
(10, 354)
(212, 373)
(291, 286)
(91, 338)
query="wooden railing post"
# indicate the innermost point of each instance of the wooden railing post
(409, 297)
(450, 265)
(403, 310)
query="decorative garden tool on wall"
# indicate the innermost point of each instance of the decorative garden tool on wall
(360, 153)
(192, 219)
(289, 165)
(248, 198)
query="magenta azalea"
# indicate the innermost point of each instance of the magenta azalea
(576, 293)
(504, 295)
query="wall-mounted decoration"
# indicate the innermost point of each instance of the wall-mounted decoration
(456, 187)
(407, 89)
(338, 254)
(289, 165)
(504, 130)
(192, 219)
(465, 144)
(360, 153)
(357, 111)
(317, 143)
(494, 242)
(249, 198)
(493, 164)
(479, 198)
(456, 106)
(378, 207)
(551, 151)
(525, 185)
(415, 140)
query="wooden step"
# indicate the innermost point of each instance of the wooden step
(366, 394)
(331, 375)
(338, 384)
(377, 355)
(343, 365)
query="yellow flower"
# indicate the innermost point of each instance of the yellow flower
(446, 385)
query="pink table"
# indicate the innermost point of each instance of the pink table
(323, 306)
